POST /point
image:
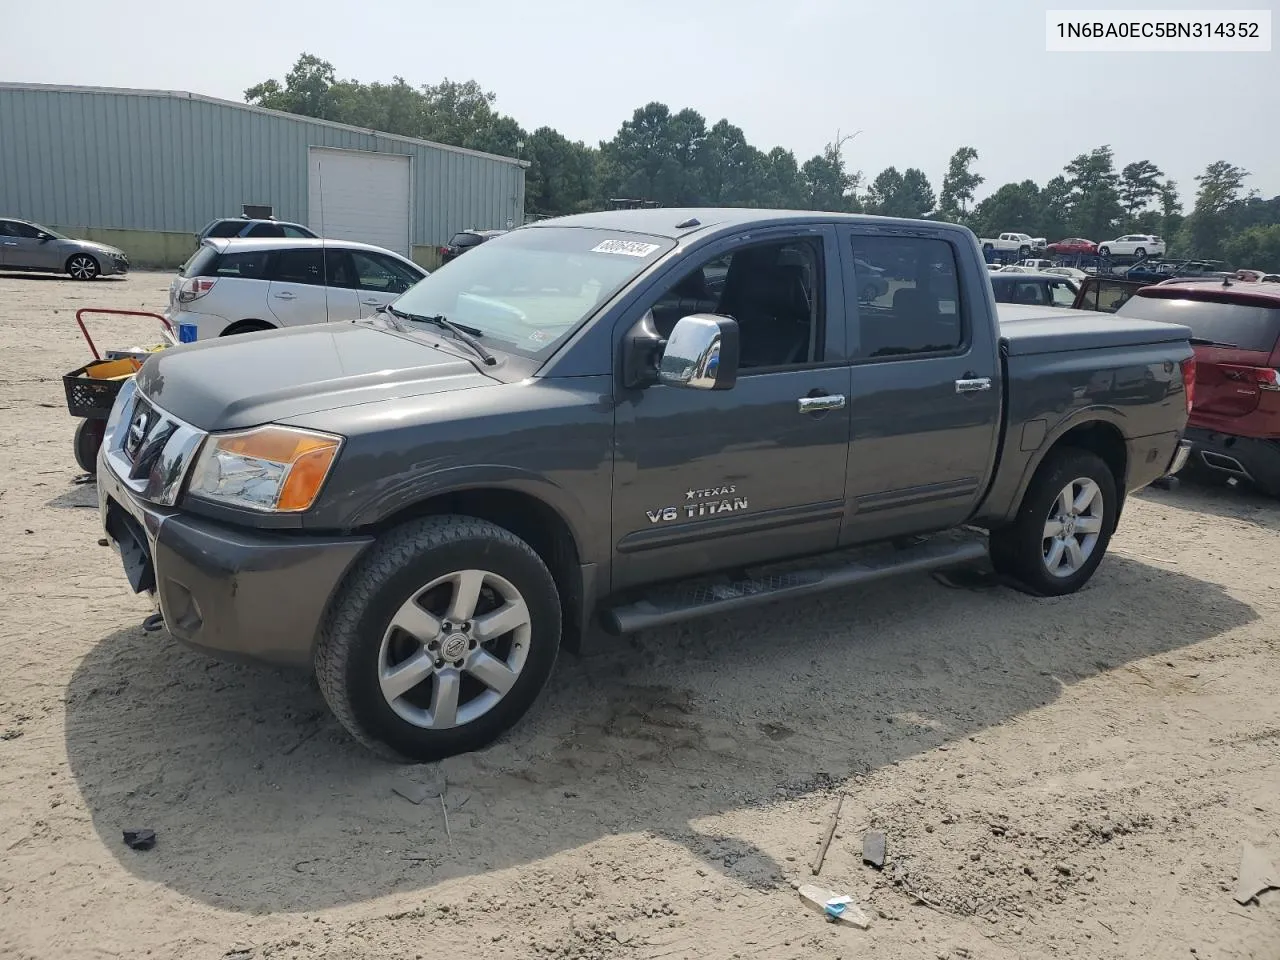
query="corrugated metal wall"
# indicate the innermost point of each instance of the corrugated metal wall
(144, 160)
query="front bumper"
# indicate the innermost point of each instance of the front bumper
(231, 592)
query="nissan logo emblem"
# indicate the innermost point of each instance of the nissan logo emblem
(138, 430)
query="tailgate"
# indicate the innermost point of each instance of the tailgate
(1227, 381)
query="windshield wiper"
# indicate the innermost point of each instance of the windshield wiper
(1201, 342)
(466, 335)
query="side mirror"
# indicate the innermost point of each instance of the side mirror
(44, 237)
(701, 353)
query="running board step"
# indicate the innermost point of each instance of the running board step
(697, 599)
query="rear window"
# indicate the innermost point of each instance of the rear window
(246, 264)
(464, 240)
(1243, 325)
(199, 262)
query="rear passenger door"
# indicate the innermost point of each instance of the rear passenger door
(297, 292)
(925, 389)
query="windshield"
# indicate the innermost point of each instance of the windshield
(526, 291)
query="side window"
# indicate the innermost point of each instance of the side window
(916, 307)
(299, 266)
(294, 233)
(1063, 295)
(245, 264)
(24, 230)
(381, 274)
(773, 291)
(227, 228)
(6, 229)
(266, 230)
(339, 273)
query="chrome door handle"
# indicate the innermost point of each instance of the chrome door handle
(976, 385)
(11, 243)
(817, 404)
(285, 296)
(372, 302)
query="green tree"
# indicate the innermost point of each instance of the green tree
(958, 185)
(562, 174)
(1257, 248)
(1139, 185)
(1055, 200)
(894, 194)
(1096, 211)
(780, 183)
(305, 90)
(1205, 230)
(1015, 206)
(827, 185)
(729, 167)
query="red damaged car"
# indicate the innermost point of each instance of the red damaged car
(1072, 246)
(1235, 414)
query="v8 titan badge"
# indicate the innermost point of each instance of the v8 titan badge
(701, 503)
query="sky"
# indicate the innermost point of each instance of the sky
(915, 78)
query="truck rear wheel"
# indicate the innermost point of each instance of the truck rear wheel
(1063, 525)
(440, 639)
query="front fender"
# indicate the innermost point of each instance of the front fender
(388, 503)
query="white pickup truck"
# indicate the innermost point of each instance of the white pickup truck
(1020, 243)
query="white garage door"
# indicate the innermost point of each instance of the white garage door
(365, 197)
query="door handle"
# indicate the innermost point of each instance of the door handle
(286, 295)
(833, 401)
(11, 243)
(372, 302)
(976, 385)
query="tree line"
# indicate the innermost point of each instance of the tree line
(676, 159)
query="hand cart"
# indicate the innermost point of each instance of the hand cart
(92, 389)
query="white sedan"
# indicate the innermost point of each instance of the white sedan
(1134, 245)
(1070, 272)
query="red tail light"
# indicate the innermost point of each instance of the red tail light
(1189, 381)
(195, 288)
(1268, 379)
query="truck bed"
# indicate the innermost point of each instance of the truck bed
(1026, 330)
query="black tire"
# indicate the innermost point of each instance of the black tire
(401, 563)
(987, 248)
(1104, 251)
(1017, 551)
(1140, 251)
(870, 292)
(1024, 252)
(246, 326)
(82, 266)
(88, 439)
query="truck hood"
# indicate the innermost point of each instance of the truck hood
(250, 379)
(1027, 330)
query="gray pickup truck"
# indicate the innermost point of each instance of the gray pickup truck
(602, 423)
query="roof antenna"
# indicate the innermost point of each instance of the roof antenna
(324, 259)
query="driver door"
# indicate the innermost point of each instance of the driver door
(23, 248)
(711, 480)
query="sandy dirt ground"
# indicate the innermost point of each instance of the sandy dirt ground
(1056, 778)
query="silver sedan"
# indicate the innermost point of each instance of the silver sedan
(30, 246)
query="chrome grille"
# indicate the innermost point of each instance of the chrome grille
(148, 448)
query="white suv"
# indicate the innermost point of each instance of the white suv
(1133, 244)
(243, 285)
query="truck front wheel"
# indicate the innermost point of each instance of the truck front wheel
(1063, 526)
(440, 638)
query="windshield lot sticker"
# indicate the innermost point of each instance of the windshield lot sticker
(539, 336)
(627, 248)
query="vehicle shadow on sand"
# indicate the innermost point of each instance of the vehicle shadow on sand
(262, 803)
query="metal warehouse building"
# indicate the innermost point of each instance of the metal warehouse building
(146, 169)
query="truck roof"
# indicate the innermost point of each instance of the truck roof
(677, 222)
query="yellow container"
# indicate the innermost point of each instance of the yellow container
(112, 369)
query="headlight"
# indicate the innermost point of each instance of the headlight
(273, 469)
